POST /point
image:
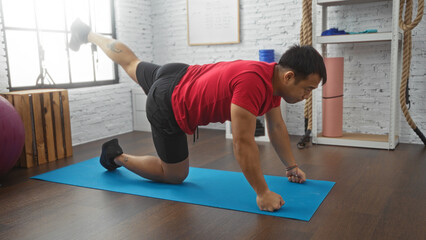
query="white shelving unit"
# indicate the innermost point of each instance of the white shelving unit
(140, 122)
(386, 141)
(265, 138)
(328, 3)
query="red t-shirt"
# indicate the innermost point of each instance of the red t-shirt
(205, 92)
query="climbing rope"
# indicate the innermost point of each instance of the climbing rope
(407, 25)
(306, 39)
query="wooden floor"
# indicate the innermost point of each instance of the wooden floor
(378, 194)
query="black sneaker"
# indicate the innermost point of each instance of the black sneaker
(79, 33)
(110, 150)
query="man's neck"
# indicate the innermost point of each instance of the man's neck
(276, 79)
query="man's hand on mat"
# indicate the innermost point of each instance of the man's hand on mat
(296, 175)
(269, 201)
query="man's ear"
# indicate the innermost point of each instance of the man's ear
(288, 77)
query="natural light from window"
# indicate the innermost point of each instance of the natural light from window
(37, 32)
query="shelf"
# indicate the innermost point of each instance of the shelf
(228, 134)
(356, 140)
(390, 139)
(327, 3)
(357, 38)
(228, 130)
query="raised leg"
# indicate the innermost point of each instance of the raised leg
(112, 156)
(117, 52)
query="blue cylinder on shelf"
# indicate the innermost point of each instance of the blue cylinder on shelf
(266, 55)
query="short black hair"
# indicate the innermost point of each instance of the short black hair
(304, 60)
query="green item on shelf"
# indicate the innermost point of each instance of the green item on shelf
(366, 31)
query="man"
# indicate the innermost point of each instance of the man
(181, 97)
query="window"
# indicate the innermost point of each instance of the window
(36, 38)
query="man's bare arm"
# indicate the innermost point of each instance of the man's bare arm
(247, 154)
(278, 135)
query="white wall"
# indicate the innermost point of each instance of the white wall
(156, 31)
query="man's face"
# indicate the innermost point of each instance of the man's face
(296, 92)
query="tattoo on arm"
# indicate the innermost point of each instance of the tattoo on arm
(126, 159)
(112, 47)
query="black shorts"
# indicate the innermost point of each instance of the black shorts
(158, 82)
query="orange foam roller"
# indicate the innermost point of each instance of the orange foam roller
(332, 94)
(332, 118)
(334, 85)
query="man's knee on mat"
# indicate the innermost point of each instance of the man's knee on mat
(176, 178)
(176, 173)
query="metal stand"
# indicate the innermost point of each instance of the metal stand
(44, 74)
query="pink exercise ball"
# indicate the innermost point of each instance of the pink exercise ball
(12, 136)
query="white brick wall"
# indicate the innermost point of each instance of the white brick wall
(157, 31)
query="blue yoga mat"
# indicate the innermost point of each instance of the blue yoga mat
(214, 188)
